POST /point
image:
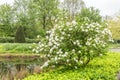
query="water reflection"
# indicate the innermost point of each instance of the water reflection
(18, 70)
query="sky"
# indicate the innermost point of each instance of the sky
(106, 7)
(6, 1)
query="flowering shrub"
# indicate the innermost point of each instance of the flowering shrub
(74, 43)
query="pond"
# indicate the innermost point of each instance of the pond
(17, 68)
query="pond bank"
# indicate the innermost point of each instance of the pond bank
(18, 66)
(11, 55)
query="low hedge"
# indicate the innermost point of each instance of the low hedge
(102, 68)
(12, 40)
(6, 39)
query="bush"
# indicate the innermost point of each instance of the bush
(6, 39)
(74, 43)
(11, 40)
(32, 40)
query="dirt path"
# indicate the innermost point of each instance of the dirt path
(115, 50)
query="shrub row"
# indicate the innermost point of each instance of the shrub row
(116, 41)
(12, 40)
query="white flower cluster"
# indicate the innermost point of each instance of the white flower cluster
(73, 43)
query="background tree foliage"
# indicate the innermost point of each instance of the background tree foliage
(6, 20)
(91, 13)
(73, 7)
(37, 16)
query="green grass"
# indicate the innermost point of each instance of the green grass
(102, 68)
(16, 48)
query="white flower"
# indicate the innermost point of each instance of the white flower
(53, 18)
(70, 29)
(74, 43)
(34, 50)
(63, 33)
(51, 50)
(38, 36)
(68, 60)
(88, 43)
(68, 23)
(30, 47)
(66, 53)
(50, 44)
(47, 37)
(86, 30)
(56, 58)
(48, 32)
(101, 54)
(75, 67)
(57, 44)
(60, 51)
(74, 22)
(81, 62)
(68, 35)
(73, 50)
(79, 51)
(62, 38)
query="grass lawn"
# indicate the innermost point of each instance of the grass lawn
(102, 68)
(16, 48)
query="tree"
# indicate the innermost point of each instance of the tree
(46, 12)
(6, 20)
(73, 7)
(35, 15)
(25, 15)
(20, 37)
(91, 13)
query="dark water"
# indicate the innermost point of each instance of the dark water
(19, 69)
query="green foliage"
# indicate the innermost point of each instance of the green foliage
(72, 7)
(25, 16)
(6, 39)
(102, 68)
(114, 26)
(16, 48)
(12, 40)
(32, 40)
(46, 11)
(6, 18)
(20, 37)
(91, 13)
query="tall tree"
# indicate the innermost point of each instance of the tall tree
(73, 7)
(91, 13)
(6, 20)
(25, 15)
(47, 11)
(20, 37)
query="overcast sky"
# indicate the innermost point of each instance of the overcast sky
(106, 7)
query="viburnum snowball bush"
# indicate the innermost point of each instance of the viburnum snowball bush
(74, 44)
